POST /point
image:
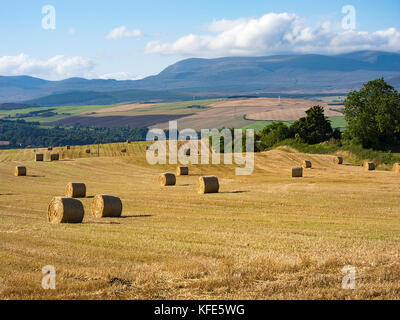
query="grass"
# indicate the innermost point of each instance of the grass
(264, 236)
(71, 110)
(336, 122)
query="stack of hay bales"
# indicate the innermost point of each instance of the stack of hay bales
(39, 157)
(369, 166)
(54, 157)
(65, 210)
(167, 179)
(106, 206)
(306, 164)
(208, 184)
(338, 160)
(182, 171)
(20, 171)
(75, 190)
(297, 172)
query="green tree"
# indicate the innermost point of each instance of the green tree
(314, 127)
(274, 133)
(373, 115)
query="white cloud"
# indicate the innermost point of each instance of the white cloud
(55, 68)
(272, 34)
(123, 32)
(121, 76)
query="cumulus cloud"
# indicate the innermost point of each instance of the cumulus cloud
(123, 32)
(275, 33)
(121, 76)
(55, 68)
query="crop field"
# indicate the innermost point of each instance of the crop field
(263, 236)
(196, 114)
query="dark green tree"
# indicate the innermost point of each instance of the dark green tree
(274, 133)
(314, 127)
(373, 115)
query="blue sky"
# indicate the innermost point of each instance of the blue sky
(159, 33)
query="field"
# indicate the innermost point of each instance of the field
(195, 114)
(264, 236)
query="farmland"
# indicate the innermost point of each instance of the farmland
(195, 114)
(264, 236)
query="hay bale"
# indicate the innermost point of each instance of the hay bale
(338, 160)
(75, 190)
(369, 166)
(123, 150)
(65, 210)
(167, 179)
(396, 167)
(87, 151)
(39, 157)
(106, 206)
(306, 164)
(297, 172)
(182, 171)
(208, 184)
(50, 148)
(20, 171)
(54, 157)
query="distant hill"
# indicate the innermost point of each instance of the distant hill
(100, 98)
(290, 74)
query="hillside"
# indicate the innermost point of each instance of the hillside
(290, 74)
(264, 236)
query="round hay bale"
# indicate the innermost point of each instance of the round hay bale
(297, 172)
(123, 150)
(65, 210)
(306, 164)
(39, 157)
(338, 160)
(369, 166)
(20, 171)
(167, 179)
(75, 190)
(54, 157)
(87, 151)
(208, 184)
(182, 171)
(106, 206)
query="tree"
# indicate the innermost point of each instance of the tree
(313, 128)
(274, 133)
(373, 115)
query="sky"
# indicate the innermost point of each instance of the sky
(121, 39)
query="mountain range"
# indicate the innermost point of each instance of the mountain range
(280, 74)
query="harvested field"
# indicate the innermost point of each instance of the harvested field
(263, 236)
